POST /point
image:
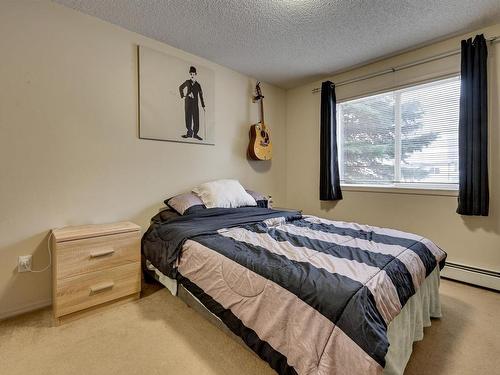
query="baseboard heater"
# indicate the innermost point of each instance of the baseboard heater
(472, 275)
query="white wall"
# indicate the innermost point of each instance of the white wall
(473, 241)
(69, 150)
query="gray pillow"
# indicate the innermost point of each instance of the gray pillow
(261, 199)
(185, 203)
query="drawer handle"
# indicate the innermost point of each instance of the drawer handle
(101, 253)
(100, 287)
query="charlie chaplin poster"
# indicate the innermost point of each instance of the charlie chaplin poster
(176, 99)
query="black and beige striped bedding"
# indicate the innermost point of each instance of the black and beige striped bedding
(309, 295)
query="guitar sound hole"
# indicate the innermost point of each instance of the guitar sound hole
(263, 134)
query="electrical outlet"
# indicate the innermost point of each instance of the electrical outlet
(24, 263)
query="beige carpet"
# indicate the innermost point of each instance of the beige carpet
(159, 334)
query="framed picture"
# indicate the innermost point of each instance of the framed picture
(176, 99)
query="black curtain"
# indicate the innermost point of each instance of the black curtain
(473, 197)
(329, 181)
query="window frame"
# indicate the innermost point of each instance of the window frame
(436, 189)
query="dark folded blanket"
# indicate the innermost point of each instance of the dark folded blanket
(163, 240)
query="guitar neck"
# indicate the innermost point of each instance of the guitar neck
(262, 111)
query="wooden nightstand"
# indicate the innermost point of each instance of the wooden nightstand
(94, 266)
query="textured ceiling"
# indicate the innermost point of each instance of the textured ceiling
(288, 42)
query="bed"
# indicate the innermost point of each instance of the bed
(306, 294)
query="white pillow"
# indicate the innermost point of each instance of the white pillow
(224, 193)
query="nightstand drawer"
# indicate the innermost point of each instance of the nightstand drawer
(78, 257)
(90, 289)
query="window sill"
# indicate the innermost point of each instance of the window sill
(450, 192)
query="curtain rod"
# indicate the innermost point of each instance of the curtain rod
(440, 56)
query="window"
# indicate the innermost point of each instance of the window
(402, 138)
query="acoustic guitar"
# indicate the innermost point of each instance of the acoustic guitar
(260, 147)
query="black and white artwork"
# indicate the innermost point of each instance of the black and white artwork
(176, 99)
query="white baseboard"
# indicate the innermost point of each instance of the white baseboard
(24, 309)
(472, 275)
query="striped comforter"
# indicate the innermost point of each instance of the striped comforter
(308, 295)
